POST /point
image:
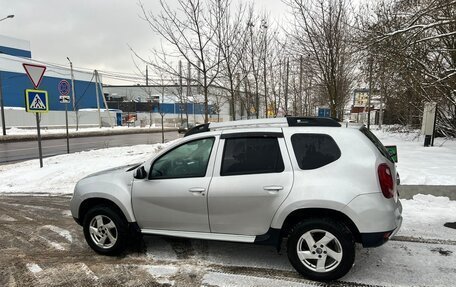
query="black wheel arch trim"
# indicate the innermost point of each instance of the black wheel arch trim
(298, 215)
(88, 203)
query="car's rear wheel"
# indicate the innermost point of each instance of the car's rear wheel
(105, 230)
(321, 249)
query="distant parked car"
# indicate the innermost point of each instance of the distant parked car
(319, 186)
(183, 128)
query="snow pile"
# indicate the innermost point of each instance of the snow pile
(60, 173)
(425, 215)
(45, 131)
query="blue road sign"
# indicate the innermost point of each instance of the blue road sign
(64, 87)
(36, 101)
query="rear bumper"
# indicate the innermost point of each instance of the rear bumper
(375, 239)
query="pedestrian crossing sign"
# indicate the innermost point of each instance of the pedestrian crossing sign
(36, 101)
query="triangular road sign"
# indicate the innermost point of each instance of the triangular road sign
(37, 103)
(35, 73)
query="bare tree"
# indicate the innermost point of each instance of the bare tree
(231, 40)
(191, 31)
(414, 43)
(321, 30)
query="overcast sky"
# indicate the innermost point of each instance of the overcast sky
(95, 34)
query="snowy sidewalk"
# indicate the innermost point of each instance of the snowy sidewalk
(14, 134)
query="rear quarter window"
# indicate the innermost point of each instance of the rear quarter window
(314, 150)
(378, 144)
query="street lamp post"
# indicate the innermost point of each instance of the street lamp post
(7, 17)
(73, 95)
(1, 96)
(2, 108)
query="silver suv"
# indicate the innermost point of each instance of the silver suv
(320, 186)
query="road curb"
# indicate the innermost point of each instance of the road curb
(81, 134)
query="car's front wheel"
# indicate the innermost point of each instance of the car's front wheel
(321, 249)
(105, 230)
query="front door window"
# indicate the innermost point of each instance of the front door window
(187, 160)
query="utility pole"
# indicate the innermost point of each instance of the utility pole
(99, 86)
(181, 94)
(150, 97)
(370, 60)
(162, 114)
(2, 107)
(98, 99)
(247, 98)
(301, 60)
(73, 94)
(286, 87)
(188, 92)
(265, 27)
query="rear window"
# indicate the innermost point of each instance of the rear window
(314, 150)
(378, 144)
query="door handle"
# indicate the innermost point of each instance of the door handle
(274, 188)
(197, 189)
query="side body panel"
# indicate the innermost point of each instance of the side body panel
(336, 184)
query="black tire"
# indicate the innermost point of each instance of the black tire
(118, 230)
(337, 255)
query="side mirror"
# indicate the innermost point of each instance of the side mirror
(392, 150)
(140, 173)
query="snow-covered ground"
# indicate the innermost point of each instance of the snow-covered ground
(60, 173)
(422, 165)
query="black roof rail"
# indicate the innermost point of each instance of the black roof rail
(198, 129)
(291, 121)
(312, 122)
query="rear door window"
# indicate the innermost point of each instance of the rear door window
(314, 150)
(251, 155)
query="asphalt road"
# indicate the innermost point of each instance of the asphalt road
(18, 151)
(41, 245)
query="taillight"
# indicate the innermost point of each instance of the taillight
(386, 180)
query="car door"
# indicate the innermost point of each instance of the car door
(252, 177)
(174, 196)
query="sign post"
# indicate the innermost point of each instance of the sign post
(428, 125)
(36, 101)
(64, 89)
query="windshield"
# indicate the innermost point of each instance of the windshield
(376, 142)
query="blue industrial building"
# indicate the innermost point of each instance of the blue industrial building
(14, 81)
